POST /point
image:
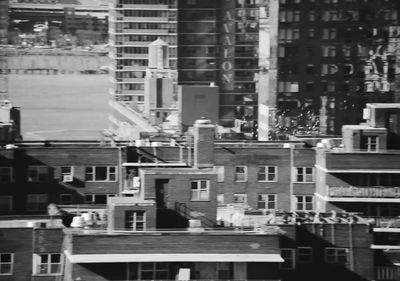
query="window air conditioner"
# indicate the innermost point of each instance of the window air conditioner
(136, 182)
(68, 178)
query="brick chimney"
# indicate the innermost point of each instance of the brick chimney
(204, 133)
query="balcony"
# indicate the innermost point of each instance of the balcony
(363, 162)
(386, 273)
(363, 192)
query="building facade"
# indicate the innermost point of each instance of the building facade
(209, 43)
(333, 58)
(363, 174)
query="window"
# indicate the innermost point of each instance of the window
(220, 173)
(311, 33)
(101, 173)
(38, 173)
(200, 190)
(239, 198)
(304, 255)
(329, 33)
(310, 69)
(328, 51)
(267, 201)
(36, 202)
(336, 255)
(224, 270)
(292, 87)
(329, 68)
(6, 263)
(6, 203)
(97, 198)
(267, 173)
(154, 271)
(65, 199)
(305, 174)
(241, 173)
(288, 257)
(311, 15)
(370, 143)
(67, 171)
(304, 203)
(6, 174)
(135, 220)
(47, 264)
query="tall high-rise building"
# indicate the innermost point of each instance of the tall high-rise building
(333, 58)
(133, 26)
(3, 53)
(210, 42)
(290, 66)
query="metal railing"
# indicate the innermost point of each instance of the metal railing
(386, 222)
(364, 191)
(387, 273)
(189, 213)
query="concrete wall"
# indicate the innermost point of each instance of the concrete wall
(196, 102)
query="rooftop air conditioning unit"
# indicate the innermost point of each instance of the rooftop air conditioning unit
(68, 178)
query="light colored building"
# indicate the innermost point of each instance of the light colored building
(132, 28)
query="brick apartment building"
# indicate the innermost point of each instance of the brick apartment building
(41, 249)
(140, 189)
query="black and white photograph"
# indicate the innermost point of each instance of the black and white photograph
(199, 140)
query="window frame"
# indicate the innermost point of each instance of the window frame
(135, 221)
(370, 143)
(48, 265)
(304, 202)
(267, 201)
(244, 173)
(37, 168)
(70, 173)
(154, 269)
(11, 264)
(10, 174)
(304, 174)
(336, 256)
(292, 259)
(37, 202)
(237, 195)
(267, 174)
(90, 176)
(93, 195)
(310, 255)
(196, 193)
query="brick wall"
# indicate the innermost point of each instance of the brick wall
(19, 242)
(54, 158)
(174, 243)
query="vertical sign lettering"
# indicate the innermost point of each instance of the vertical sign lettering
(227, 45)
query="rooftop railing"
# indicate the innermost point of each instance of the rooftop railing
(364, 191)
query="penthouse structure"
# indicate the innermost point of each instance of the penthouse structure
(362, 175)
